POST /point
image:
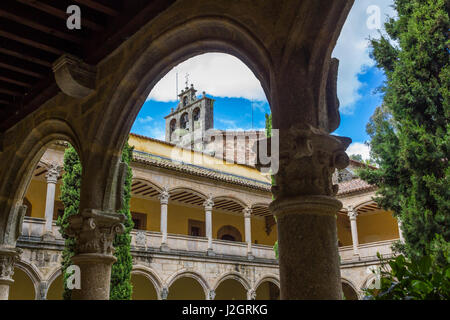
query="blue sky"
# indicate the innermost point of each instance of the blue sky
(235, 88)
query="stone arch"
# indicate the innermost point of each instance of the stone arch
(151, 276)
(189, 190)
(52, 281)
(233, 198)
(164, 51)
(267, 288)
(15, 181)
(32, 272)
(268, 277)
(232, 286)
(229, 231)
(184, 120)
(349, 290)
(233, 276)
(147, 181)
(188, 274)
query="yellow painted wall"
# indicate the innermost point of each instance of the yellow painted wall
(55, 291)
(230, 290)
(22, 288)
(343, 230)
(178, 216)
(36, 194)
(378, 226)
(143, 289)
(259, 233)
(151, 208)
(186, 289)
(188, 156)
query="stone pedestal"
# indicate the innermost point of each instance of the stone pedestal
(94, 231)
(8, 257)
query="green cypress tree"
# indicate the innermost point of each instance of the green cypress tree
(70, 197)
(410, 132)
(121, 288)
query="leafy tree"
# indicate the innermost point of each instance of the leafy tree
(70, 197)
(410, 131)
(121, 288)
(418, 278)
(357, 157)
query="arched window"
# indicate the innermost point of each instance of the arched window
(173, 124)
(185, 101)
(196, 114)
(184, 121)
(229, 233)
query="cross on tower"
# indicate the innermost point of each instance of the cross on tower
(187, 79)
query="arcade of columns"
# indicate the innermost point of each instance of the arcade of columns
(286, 44)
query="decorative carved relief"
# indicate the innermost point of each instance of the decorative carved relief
(53, 172)
(74, 77)
(95, 230)
(164, 196)
(209, 203)
(8, 256)
(308, 157)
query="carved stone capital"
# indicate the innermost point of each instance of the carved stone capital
(208, 204)
(352, 213)
(164, 196)
(247, 212)
(211, 294)
(74, 77)
(53, 172)
(307, 159)
(94, 231)
(251, 294)
(8, 257)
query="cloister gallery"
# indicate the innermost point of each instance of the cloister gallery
(219, 223)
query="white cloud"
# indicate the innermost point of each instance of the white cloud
(217, 74)
(352, 49)
(359, 148)
(156, 132)
(146, 119)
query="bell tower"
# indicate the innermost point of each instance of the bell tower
(186, 125)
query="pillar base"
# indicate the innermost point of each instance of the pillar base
(48, 236)
(95, 275)
(164, 248)
(308, 254)
(250, 256)
(210, 253)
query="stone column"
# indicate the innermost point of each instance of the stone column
(248, 231)
(52, 175)
(306, 210)
(400, 232)
(164, 199)
(164, 293)
(8, 256)
(43, 290)
(208, 204)
(211, 295)
(94, 231)
(251, 294)
(352, 214)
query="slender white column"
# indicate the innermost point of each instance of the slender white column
(248, 231)
(400, 232)
(208, 204)
(352, 214)
(164, 199)
(52, 175)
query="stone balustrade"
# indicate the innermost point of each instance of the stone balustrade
(367, 250)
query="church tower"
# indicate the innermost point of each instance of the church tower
(186, 126)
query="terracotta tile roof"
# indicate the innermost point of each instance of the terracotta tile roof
(354, 185)
(158, 161)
